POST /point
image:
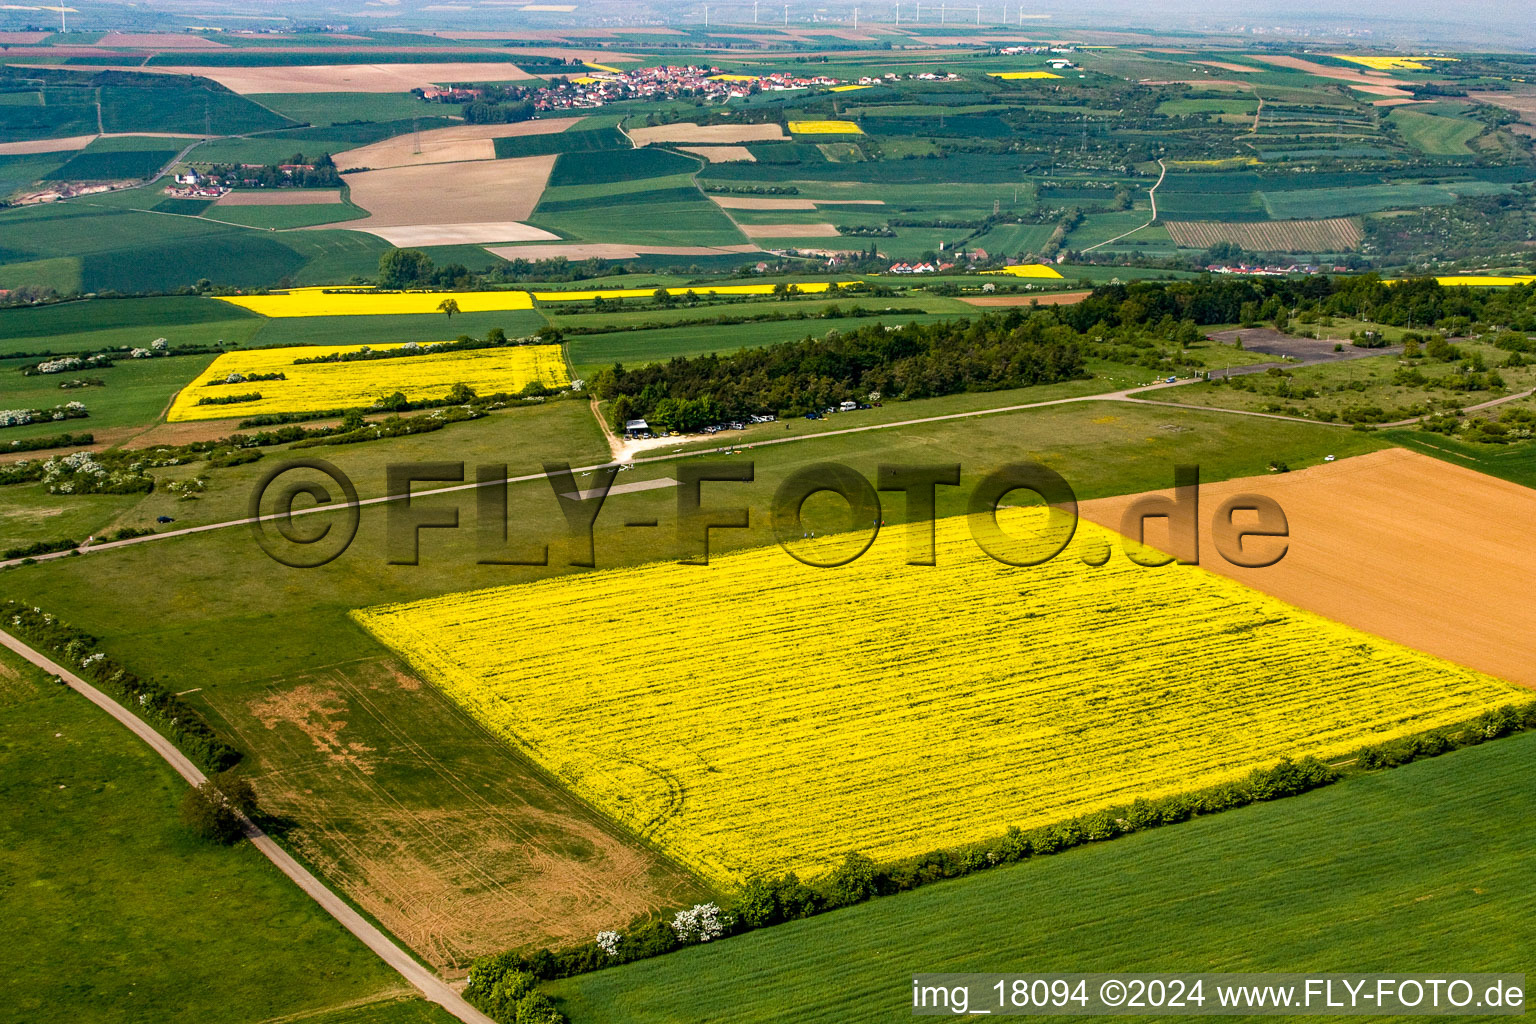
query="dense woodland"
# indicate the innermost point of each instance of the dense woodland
(915, 361)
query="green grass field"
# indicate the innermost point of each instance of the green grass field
(116, 913)
(102, 323)
(113, 163)
(1398, 871)
(285, 217)
(359, 330)
(327, 108)
(1436, 135)
(135, 393)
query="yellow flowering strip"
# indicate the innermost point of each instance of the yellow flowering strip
(824, 128)
(310, 387)
(733, 78)
(757, 714)
(603, 67)
(320, 302)
(1486, 280)
(1013, 76)
(1392, 63)
(807, 288)
(1028, 270)
(848, 88)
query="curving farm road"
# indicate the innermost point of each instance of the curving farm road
(427, 983)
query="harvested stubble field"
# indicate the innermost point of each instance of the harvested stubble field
(447, 145)
(33, 146)
(609, 250)
(721, 154)
(450, 204)
(438, 831)
(343, 77)
(311, 302)
(1337, 234)
(1419, 551)
(312, 387)
(716, 133)
(717, 712)
(820, 230)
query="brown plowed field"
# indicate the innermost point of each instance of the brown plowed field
(822, 230)
(1431, 555)
(1027, 299)
(1339, 234)
(722, 154)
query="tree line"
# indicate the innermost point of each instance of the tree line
(989, 353)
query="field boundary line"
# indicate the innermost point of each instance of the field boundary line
(419, 977)
(1152, 198)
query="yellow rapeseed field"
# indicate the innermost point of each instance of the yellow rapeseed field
(733, 78)
(1028, 270)
(824, 128)
(320, 302)
(1019, 75)
(805, 288)
(1486, 280)
(315, 386)
(1392, 63)
(757, 714)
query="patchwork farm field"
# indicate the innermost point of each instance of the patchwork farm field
(311, 387)
(1340, 234)
(737, 762)
(1383, 872)
(1380, 545)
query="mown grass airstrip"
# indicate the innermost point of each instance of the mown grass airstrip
(759, 714)
(312, 387)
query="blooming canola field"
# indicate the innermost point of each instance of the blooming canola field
(324, 302)
(824, 128)
(760, 715)
(313, 387)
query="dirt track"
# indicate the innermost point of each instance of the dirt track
(1430, 555)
